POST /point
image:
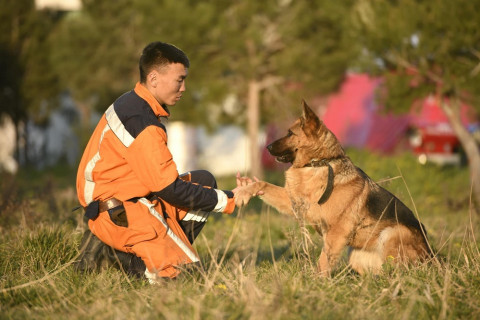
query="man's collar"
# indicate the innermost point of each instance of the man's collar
(158, 109)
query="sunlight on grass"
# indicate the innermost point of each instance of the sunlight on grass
(255, 264)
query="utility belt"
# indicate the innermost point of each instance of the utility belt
(115, 209)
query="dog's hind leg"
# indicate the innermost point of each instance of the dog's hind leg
(363, 261)
(404, 245)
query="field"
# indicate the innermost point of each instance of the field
(256, 264)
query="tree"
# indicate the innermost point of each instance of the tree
(28, 85)
(12, 16)
(96, 52)
(259, 47)
(436, 41)
(26, 81)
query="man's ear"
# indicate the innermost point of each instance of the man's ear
(152, 78)
(309, 120)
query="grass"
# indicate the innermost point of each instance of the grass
(256, 264)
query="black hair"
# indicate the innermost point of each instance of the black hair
(159, 54)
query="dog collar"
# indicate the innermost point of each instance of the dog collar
(318, 163)
(329, 188)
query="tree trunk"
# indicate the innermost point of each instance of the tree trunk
(452, 110)
(22, 140)
(17, 151)
(85, 113)
(253, 123)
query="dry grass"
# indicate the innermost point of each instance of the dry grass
(256, 264)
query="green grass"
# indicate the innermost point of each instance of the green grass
(256, 264)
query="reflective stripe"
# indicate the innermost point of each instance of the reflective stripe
(89, 183)
(221, 202)
(151, 208)
(117, 127)
(199, 216)
(151, 277)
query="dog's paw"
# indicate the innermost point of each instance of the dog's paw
(242, 196)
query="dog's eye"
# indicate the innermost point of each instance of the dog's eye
(289, 133)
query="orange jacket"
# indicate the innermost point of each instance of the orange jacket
(128, 157)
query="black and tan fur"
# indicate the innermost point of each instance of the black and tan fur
(349, 210)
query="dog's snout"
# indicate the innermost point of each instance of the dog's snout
(269, 147)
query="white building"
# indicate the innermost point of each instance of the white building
(7, 145)
(223, 152)
(63, 5)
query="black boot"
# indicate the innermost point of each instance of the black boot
(130, 263)
(96, 255)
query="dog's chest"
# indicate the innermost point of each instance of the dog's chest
(304, 187)
(301, 207)
(306, 183)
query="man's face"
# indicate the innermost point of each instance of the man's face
(168, 83)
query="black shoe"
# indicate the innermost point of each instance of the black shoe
(130, 263)
(96, 255)
(91, 256)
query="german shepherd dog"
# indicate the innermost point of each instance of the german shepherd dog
(347, 208)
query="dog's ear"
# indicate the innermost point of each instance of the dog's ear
(309, 120)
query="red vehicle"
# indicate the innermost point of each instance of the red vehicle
(437, 144)
(433, 139)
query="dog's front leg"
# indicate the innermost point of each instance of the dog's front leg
(277, 197)
(333, 246)
(323, 266)
(271, 194)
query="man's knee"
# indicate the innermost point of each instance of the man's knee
(204, 178)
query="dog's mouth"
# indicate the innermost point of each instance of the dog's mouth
(281, 154)
(286, 158)
(282, 159)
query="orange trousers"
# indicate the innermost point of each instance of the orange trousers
(153, 234)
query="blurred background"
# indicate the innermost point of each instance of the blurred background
(397, 81)
(387, 77)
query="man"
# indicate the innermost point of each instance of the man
(128, 183)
